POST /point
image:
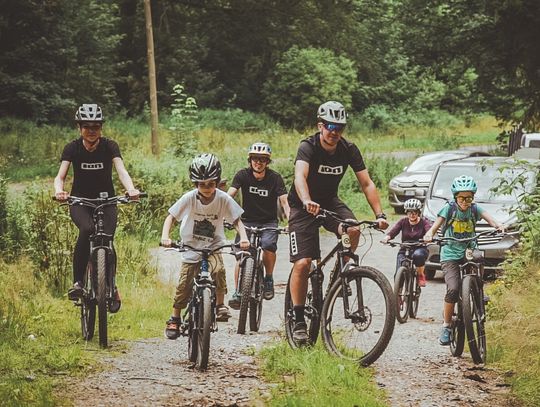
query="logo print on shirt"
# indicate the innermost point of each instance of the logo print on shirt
(257, 191)
(326, 169)
(92, 166)
(203, 228)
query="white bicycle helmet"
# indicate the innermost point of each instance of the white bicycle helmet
(332, 112)
(412, 205)
(89, 112)
(260, 149)
(205, 167)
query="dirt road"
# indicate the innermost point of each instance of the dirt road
(415, 370)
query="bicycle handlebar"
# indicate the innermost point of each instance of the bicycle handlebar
(437, 239)
(95, 202)
(409, 244)
(184, 247)
(323, 213)
(257, 229)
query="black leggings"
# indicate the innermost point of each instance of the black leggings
(82, 217)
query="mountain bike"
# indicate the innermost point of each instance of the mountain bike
(356, 316)
(199, 317)
(251, 280)
(100, 274)
(406, 287)
(469, 313)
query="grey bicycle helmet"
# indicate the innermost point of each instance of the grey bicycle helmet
(89, 112)
(332, 112)
(412, 205)
(205, 167)
(463, 183)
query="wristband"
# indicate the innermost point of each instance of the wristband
(380, 216)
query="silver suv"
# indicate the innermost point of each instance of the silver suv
(486, 173)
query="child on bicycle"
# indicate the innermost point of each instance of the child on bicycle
(412, 227)
(201, 213)
(459, 217)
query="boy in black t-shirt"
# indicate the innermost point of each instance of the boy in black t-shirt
(320, 164)
(93, 157)
(261, 188)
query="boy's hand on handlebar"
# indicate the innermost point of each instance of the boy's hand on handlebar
(244, 244)
(428, 237)
(383, 224)
(166, 242)
(61, 196)
(385, 239)
(133, 194)
(500, 228)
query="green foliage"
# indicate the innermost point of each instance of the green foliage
(307, 83)
(238, 120)
(184, 122)
(312, 377)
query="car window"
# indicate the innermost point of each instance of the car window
(430, 162)
(485, 180)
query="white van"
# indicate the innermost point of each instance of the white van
(529, 146)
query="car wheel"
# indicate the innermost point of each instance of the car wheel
(430, 273)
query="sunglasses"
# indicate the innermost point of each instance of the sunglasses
(333, 126)
(467, 199)
(207, 184)
(259, 159)
(94, 127)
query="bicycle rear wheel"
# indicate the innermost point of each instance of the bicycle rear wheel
(256, 302)
(88, 305)
(414, 296)
(474, 318)
(205, 326)
(101, 296)
(402, 294)
(364, 334)
(457, 340)
(246, 284)
(312, 312)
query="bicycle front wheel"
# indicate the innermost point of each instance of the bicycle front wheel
(204, 328)
(361, 331)
(402, 294)
(474, 318)
(256, 302)
(414, 296)
(312, 312)
(457, 340)
(246, 284)
(88, 305)
(101, 296)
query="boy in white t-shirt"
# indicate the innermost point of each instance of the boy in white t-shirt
(201, 213)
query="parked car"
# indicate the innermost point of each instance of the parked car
(414, 181)
(486, 173)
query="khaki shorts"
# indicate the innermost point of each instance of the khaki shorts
(188, 273)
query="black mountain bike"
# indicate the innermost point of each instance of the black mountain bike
(356, 316)
(251, 280)
(406, 287)
(470, 313)
(199, 318)
(99, 277)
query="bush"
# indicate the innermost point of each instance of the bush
(237, 120)
(307, 83)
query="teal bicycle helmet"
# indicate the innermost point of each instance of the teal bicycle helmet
(463, 183)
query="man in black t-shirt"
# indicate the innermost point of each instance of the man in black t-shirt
(261, 188)
(320, 164)
(93, 158)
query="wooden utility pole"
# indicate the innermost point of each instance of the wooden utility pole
(151, 77)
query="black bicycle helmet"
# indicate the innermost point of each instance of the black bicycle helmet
(205, 167)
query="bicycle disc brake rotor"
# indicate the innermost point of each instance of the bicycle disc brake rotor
(362, 322)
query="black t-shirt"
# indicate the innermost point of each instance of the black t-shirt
(259, 197)
(325, 170)
(92, 171)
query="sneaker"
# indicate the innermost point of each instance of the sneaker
(444, 339)
(223, 314)
(75, 292)
(116, 302)
(172, 331)
(422, 280)
(268, 292)
(300, 332)
(234, 302)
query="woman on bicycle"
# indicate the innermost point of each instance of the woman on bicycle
(459, 218)
(93, 157)
(413, 227)
(201, 213)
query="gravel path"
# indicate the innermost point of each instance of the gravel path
(415, 370)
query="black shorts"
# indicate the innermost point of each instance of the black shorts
(304, 229)
(269, 238)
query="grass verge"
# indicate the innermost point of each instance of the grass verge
(312, 377)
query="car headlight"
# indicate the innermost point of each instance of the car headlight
(394, 184)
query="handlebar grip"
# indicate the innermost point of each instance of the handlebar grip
(143, 195)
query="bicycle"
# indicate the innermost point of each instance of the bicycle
(199, 318)
(356, 316)
(251, 280)
(99, 276)
(469, 313)
(406, 286)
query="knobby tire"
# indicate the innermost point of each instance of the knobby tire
(88, 305)
(473, 318)
(256, 302)
(457, 341)
(101, 296)
(205, 328)
(402, 294)
(414, 296)
(246, 283)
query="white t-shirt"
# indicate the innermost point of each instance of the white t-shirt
(201, 226)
